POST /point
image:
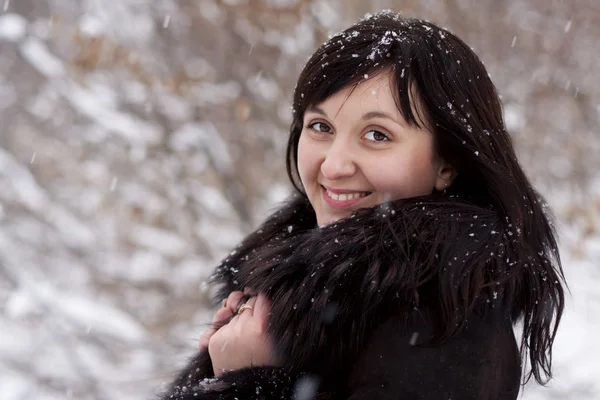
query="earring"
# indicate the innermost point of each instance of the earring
(445, 188)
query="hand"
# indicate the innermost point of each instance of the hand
(243, 342)
(223, 314)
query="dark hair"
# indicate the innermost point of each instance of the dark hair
(464, 113)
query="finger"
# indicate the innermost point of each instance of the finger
(205, 338)
(262, 305)
(240, 317)
(233, 298)
(235, 309)
(233, 301)
(221, 315)
(248, 312)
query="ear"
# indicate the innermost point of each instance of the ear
(445, 176)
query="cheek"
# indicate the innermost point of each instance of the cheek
(307, 162)
(402, 177)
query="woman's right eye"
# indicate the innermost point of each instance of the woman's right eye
(319, 127)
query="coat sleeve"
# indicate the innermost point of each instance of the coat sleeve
(480, 363)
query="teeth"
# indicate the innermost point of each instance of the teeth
(346, 196)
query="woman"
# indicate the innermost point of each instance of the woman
(413, 245)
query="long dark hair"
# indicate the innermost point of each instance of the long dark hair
(464, 113)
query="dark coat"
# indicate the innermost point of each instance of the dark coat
(381, 305)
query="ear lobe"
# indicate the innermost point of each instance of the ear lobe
(445, 176)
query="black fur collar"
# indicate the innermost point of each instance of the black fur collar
(330, 286)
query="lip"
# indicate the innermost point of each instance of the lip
(340, 203)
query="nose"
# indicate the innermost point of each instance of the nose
(338, 162)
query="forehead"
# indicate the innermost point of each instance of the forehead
(371, 93)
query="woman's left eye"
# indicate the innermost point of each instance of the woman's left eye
(376, 136)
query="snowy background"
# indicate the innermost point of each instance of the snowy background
(140, 139)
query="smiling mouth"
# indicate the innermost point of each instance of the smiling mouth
(343, 199)
(346, 196)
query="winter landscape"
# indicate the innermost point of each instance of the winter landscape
(141, 139)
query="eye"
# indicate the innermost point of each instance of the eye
(319, 127)
(376, 136)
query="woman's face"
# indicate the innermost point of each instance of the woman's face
(356, 151)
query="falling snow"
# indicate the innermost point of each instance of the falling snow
(141, 142)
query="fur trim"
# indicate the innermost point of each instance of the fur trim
(249, 383)
(354, 274)
(331, 286)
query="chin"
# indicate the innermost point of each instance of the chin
(322, 222)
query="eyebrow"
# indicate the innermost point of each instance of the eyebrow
(378, 114)
(365, 117)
